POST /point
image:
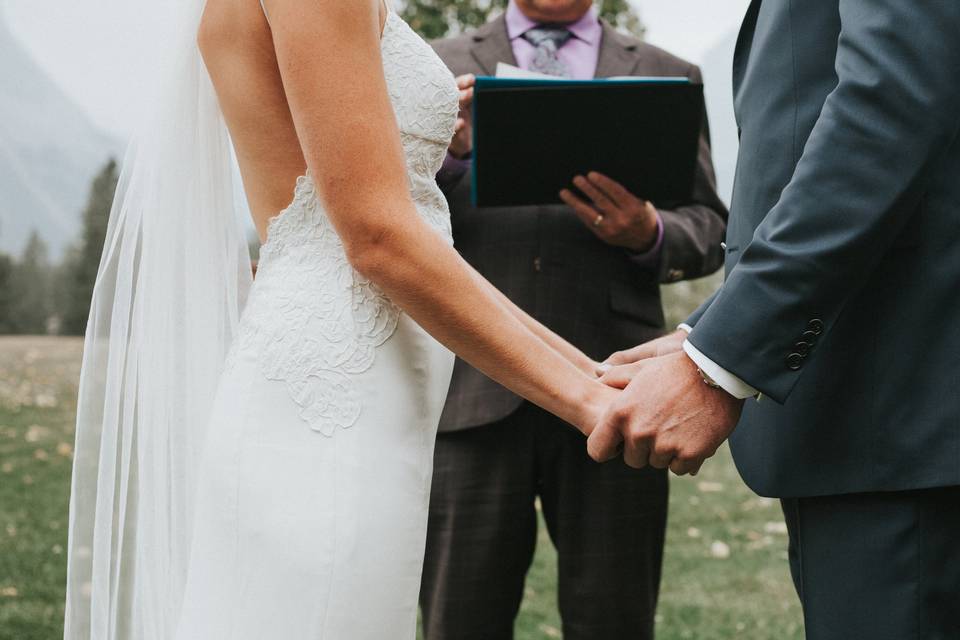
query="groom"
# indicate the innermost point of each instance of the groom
(840, 309)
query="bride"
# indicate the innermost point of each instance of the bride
(255, 465)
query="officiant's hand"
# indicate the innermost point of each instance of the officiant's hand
(615, 215)
(667, 416)
(462, 143)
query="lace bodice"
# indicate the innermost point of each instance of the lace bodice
(312, 321)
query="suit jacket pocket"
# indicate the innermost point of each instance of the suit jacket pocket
(638, 303)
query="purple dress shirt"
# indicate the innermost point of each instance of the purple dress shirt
(580, 55)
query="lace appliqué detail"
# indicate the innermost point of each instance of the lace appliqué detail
(312, 321)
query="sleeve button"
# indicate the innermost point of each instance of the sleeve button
(816, 326)
(794, 361)
(803, 348)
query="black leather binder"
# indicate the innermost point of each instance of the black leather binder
(531, 137)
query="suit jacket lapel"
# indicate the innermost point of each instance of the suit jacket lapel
(744, 42)
(618, 54)
(491, 46)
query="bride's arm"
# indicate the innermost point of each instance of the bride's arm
(576, 357)
(329, 57)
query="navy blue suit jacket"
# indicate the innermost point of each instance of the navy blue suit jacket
(842, 297)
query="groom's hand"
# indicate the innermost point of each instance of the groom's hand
(667, 416)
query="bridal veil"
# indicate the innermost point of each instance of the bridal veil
(172, 281)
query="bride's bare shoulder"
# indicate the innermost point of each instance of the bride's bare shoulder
(228, 23)
(232, 23)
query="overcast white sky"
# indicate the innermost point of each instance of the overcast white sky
(89, 46)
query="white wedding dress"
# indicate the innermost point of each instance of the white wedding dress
(311, 511)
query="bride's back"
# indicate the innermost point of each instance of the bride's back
(237, 46)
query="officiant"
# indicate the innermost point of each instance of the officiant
(590, 270)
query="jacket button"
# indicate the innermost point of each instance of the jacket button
(675, 275)
(536, 264)
(816, 326)
(794, 361)
(803, 348)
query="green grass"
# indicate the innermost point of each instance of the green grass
(37, 389)
(725, 573)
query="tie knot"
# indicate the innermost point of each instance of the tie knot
(545, 36)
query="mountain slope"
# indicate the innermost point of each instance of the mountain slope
(49, 152)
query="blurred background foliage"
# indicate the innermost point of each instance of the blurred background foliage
(440, 18)
(40, 297)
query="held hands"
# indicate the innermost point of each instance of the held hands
(620, 368)
(614, 214)
(462, 143)
(666, 416)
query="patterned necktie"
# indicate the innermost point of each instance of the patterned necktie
(548, 41)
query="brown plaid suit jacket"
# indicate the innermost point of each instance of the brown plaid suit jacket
(543, 258)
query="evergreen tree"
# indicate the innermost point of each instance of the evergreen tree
(30, 290)
(6, 294)
(439, 18)
(79, 271)
(622, 15)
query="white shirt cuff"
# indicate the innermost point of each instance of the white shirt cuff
(727, 381)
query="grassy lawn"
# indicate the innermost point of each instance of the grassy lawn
(37, 398)
(725, 574)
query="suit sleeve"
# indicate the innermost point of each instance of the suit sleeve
(692, 233)
(694, 317)
(894, 112)
(452, 172)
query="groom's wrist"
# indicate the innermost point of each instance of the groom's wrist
(717, 375)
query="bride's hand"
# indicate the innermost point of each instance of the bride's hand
(586, 364)
(591, 367)
(599, 398)
(620, 368)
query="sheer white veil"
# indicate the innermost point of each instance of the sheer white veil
(172, 281)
